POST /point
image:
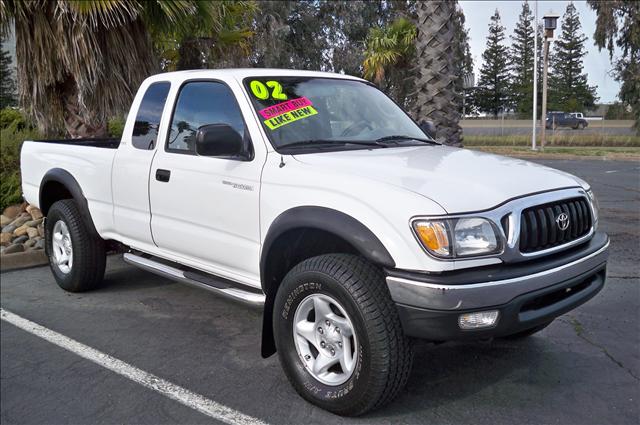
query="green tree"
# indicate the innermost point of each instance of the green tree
(463, 62)
(618, 24)
(436, 98)
(492, 95)
(80, 62)
(521, 62)
(569, 89)
(7, 81)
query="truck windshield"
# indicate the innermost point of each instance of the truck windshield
(328, 112)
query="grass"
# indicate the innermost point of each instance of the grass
(558, 140)
(605, 152)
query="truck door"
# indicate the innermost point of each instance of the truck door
(130, 172)
(205, 210)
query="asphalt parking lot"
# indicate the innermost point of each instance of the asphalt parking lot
(583, 369)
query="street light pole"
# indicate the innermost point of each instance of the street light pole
(535, 78)
(543, 117)
(550, 21)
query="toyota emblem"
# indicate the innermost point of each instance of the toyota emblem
(562, 220)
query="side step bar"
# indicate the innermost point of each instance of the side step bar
(201, 281)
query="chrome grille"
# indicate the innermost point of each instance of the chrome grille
(542, 226)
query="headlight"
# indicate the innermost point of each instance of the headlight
(459, 237)
(594, 206)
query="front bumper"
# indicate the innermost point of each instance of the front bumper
(525, 295)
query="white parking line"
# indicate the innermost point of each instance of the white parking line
(190, 399)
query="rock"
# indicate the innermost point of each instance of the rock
(32, 232)
(4, 220)
(12, 211)
(20, 221)
(36, 214)
(21, 239)
(33, 223)
(8, 229)
(30, 243)
(5, 238)
(22, 230)
(39, 244)
(12, 249)
(41, 230)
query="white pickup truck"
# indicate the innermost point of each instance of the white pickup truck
(314, 196)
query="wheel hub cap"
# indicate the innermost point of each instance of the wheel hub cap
(62, 247)
(325, 340)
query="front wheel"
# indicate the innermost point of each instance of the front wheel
(76, 253)
(338, 334)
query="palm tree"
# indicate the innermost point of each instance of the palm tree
(435, 80)
(386, 47)
(79, 62)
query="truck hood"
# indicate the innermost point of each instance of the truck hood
(460, 180)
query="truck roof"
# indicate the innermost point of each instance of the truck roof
(240, 73)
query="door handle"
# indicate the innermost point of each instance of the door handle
(163, 175)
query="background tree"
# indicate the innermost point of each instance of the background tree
(354, 21)
(463, 62)
(80, 62)
(493, 85)
(569, 89)
(435, 72)
(521, 62)
(202, 45)
(618, 23)
(294, 35)
(7, 81)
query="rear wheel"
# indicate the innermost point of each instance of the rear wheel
(76, 254)
(581, 126)
(338, 334)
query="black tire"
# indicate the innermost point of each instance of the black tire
(384, 355)
(528, 332)
(89, 256)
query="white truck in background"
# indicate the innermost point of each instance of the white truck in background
(315, 197)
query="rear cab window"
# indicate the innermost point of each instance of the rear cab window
(147, 124)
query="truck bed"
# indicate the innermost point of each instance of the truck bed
(88, 161)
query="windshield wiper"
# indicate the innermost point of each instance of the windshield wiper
(328, 142)
(405, 138)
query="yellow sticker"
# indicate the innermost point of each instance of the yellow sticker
(289, 117)
(261, 91)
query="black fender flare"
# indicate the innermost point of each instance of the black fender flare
(336, 222)
(65, 178)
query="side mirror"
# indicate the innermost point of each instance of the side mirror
(428, 127)
(220, 140)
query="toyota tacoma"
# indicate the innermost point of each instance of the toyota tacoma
(315, 197)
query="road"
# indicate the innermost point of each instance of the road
(583, 369)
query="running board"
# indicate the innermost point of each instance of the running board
(210, 283)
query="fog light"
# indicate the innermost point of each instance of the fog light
(480, 319)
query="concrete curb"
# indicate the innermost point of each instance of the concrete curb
(22, 260)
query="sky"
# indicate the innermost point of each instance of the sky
(596, 63)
